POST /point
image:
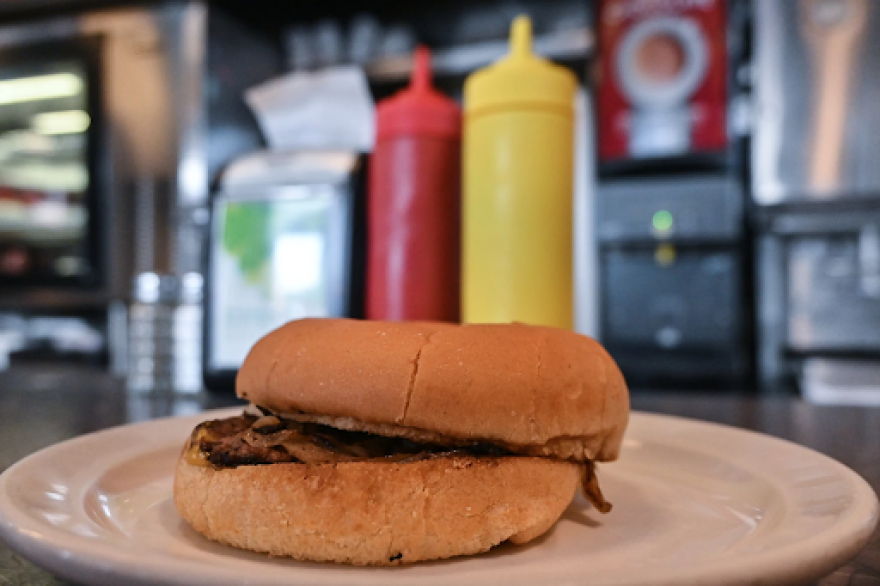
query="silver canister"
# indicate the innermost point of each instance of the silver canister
(164, 334)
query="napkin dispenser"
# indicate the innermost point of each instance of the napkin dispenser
(285, 243)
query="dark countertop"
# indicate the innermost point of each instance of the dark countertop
(40, 407)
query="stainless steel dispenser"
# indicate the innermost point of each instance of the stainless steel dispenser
(817, 125)
(816, 183)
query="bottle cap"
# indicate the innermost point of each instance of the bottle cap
(418, 109)
(521, 79)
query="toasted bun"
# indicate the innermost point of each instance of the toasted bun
(552, 391)
(370, 513)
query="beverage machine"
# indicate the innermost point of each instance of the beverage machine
(816, 192)
(674, 246)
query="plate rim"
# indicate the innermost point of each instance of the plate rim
(50, 547)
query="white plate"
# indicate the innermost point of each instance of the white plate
(694, 503)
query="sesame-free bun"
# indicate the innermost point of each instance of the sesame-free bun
(538, 390)
(376, 513)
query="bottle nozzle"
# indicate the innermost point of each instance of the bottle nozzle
(521, 36)
(421, 73)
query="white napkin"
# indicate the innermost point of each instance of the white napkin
(330, 109)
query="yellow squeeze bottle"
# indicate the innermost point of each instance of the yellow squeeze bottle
(517, 189)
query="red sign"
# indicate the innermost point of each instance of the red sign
(663, 78)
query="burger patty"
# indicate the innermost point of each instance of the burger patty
(250, 440)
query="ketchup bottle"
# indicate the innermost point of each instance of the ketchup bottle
(414, 204)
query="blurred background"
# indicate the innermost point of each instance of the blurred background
(179, 178)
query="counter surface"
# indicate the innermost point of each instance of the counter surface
(40, 407)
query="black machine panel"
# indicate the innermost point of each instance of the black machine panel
(676, 316)
(675, 279)
(691, 207)
(672, 299)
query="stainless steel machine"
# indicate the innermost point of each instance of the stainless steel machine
(816, 186)
(113, 124)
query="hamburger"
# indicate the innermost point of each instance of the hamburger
(375, 443)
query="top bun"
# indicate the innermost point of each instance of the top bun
(545, 390)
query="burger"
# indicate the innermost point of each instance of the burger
(375, 443)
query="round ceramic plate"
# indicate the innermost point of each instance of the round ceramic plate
(694, 503)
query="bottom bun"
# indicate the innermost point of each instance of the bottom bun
(376, 513)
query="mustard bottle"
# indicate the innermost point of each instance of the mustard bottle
(517, 189)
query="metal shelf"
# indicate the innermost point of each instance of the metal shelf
(570, 44)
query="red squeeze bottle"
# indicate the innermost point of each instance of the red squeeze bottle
(414, 203)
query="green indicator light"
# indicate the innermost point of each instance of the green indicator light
(662, 221)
